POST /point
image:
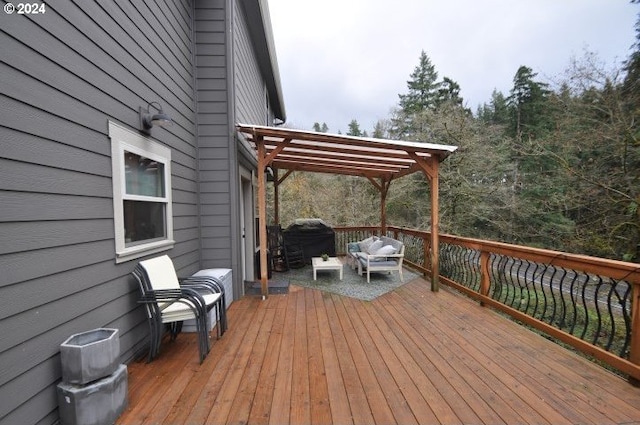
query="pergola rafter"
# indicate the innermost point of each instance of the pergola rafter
(380, 161)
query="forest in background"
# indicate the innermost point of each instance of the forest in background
(551, 164)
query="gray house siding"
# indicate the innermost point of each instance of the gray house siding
(225, 96)
(65, 75)
(250, 88)
(213, 132)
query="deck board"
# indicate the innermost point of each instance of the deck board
(396, 401)
(495, 371)
(263, 396)
(318, 388)
(434, 364)
(502, 354)
(410, 356)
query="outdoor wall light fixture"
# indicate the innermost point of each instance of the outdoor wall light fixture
(148, 120)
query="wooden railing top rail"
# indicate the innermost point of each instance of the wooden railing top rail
(620, 270)
(357, 228)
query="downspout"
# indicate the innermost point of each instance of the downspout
(234, 191)
(276, 197)
(196, 132)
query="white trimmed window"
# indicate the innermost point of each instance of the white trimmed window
(141, 194)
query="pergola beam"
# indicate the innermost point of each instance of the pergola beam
(370, 153)
(331, 168)
(301, 136)
(273, 153)
(387, 163)
(292, 157)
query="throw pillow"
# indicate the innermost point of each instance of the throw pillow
(364, 245)
(374, 247)
(353, 247)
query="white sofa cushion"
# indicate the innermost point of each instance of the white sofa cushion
(386, 250)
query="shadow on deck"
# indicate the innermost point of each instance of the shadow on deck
(410, 356)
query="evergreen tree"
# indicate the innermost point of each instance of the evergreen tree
(320, 128)
(496, 111)
(555, 169)
(448, 91)
(379, 131)
(423, 95)
(527, 103)
(631, 85)
(354, 129)
(423, 87)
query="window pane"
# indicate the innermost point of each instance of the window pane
(143, 221)
(143, 176)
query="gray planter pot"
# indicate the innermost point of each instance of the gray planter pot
(98, 403)
(90, 355)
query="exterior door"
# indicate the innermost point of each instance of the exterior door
(248, 226)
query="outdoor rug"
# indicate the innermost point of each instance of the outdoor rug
(351, 285)
(277, 285)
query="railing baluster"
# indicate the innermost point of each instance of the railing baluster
(552, 319)
(596, 296)
(583, 298)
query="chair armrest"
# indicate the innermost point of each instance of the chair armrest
(370, 257)
(155, 295)
(174, 295)
(200, 288)
(385, 255)
(209, 282)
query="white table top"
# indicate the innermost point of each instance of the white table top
(331, 263)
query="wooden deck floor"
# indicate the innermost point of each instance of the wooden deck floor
(411, 356)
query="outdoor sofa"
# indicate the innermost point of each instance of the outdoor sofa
(376, 254)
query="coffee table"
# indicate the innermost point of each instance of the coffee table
(331, 264)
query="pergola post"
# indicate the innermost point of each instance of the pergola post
(383, 205)
(430, 170)
(277, 181)
(262, 214)
(435, 225)
(383, 188)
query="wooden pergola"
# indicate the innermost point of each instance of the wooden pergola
(378, 160)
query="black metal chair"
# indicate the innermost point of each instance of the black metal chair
(275, 244)
(169, 302)
(294, 255)
(211, 282)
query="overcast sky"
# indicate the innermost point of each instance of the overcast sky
(349, 59)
